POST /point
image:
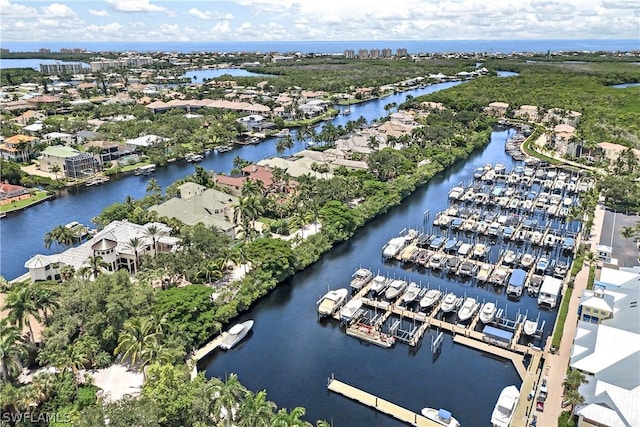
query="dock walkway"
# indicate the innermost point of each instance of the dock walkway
(379, 404)
(515, 358)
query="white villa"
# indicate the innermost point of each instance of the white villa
(111, 243)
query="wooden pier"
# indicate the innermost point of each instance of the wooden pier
(203, 352)
(515, 358)
(379, 404)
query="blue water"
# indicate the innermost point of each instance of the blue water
(412, 46)
(625, 85)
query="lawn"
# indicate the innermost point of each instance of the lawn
(562, 317)
(21, 204)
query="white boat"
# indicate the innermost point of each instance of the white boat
(505, 407)
(449, 303)
(530, 327)
(542, 264)
(527, 260)
(440, 416)
(193, 157)
(361, 277)
(484, 272)
(468, 309)
(479, 250)
(379, 284)
(393, 247)
(395, 289)
(435, 262)
(509, 257)
(350, 309)
(456, 192)
(488, 312)
(411, 293)
(235, 334)
(498, 276)
(332, 301)
(430, 298)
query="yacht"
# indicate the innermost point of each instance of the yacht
(468, 309)
(527, 260)
(505, 407)
(488, 312)
(467, 268)
(393, 247)
(395, 289)
(235, 334)
(361, 277)
(498, 276)
(430, 298)
(452, 264)
(379, 284)
(350, 309)
(411, 293)
(440, 416)
(332, 301)
(530, 327)
(484, 272)
(449, 303)
(435, 262)
(542, 264)
(509, 257)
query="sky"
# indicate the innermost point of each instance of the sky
(301, 20)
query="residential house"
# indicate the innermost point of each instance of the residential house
(198, 204)
(58, 138)
(611, 151)
(607, 352)
(497, 109)
(144, 141)
(528, 113)
(71, 162)
(11, 191)
(255, 122)
(596, 305)
(107, 151)
(112, 244)
(84, 135)
(28, 117)
(18, 148)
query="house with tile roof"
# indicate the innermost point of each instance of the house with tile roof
(111, 243)
(73, 163)
(18, 148)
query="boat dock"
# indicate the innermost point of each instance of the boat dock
(382, 405)
(203, 352)
(515, 358)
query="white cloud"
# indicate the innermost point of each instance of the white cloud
(9, 9)
(101, 12)
(206, 14)
(57, 10)
(135, 6)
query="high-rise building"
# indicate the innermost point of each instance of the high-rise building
(386, 52)
(72, 68)
(374, 53)
(349, 54)
(363, 54)
(401, 52)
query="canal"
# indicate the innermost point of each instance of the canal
(289, 352)
(22, 233)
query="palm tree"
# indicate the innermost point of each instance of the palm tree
(228, 395)
(574, 379)
(210, 270)
(46, 300)
(573, 398)
(256, 410)
(61, 235)
(55, 169)
(137, 339)
(94, 266)
(135, 244)
(290, 419)
(153, 189)
(21, 305)
(67, 272)
(11, 349)
(152, 232)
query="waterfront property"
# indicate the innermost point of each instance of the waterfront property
(112, 244)
(71, 162)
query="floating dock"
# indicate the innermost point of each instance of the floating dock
(384, 406)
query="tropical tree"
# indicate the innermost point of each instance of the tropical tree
(153, 189)
(61, 235)
(135, 244)
(228, 396)
(573, 398)
(256, 410)
(12, 350)
(152, 232)
(290, 419)
(574, 379)
(21, 305)
(138, 341)
(55, 169)
(67, 272)
(93, 267)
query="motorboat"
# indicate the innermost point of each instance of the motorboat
(350, 309)
(393, 247)
(236, 334)
(534, 285)
(451, 264)
(456, 192)
(430, 298)
(516, 283)
(411, 293)
(379, 284)
(509, 257)
(484, 272)
(394, 289)
(542, 264)
(468, 309)
(440, 416)
(449, 303)
(361, 277)
(411, 235)
(332, 301)
(408, 253)
(464, 249)
(527, 260)
(435, 262)
(451, 244)
(467, 268)
(561, 270)
(488, 312)
(479, 250)
(505, 407)
(529, 327)
(498, 276)
(437, 243)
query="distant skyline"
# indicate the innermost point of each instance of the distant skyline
(326, 20)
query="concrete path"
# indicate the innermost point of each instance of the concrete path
(556, 365)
